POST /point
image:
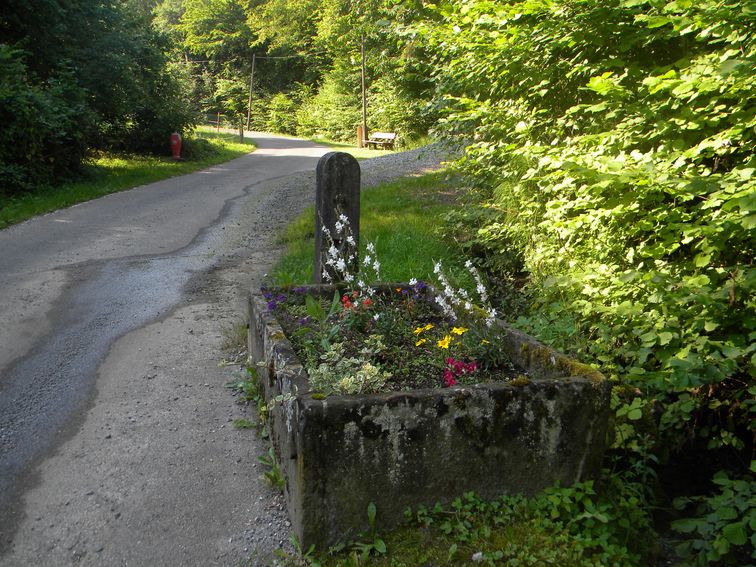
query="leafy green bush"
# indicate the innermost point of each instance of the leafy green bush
(281, 114)
(619, 138)
(42, 134)
(334, 112)
(566, 526)
(723, 528)
(610, 150)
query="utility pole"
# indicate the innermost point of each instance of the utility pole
(251, 82)
(364, 98)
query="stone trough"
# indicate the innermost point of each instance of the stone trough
(400, 449)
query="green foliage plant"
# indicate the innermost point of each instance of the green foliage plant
(281, 114)
(273, 476)
(584, 525)
(249, 390)
(612, 144)
(722, 529)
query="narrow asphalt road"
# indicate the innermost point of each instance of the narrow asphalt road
(116, 441)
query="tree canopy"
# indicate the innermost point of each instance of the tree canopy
(76, 76)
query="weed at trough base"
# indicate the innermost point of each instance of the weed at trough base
(249, 391)
(273, 475)
(234, 340)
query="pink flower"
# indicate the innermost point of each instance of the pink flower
(449, 380)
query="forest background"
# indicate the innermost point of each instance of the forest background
(606, 182)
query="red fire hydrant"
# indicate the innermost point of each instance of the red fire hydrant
(176, 145)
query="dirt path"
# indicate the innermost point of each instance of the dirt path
(152, 472)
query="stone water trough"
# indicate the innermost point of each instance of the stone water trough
(339, 453)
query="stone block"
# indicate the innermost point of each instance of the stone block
(401, 449)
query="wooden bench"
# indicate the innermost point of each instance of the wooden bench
(381, 140)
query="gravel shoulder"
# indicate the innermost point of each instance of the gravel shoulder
(153, 472)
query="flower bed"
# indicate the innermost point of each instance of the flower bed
(393, 338)
(514, 417)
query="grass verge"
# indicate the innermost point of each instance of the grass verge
(109, 172)
(400, 218)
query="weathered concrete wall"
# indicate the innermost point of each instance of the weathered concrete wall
(402, 449)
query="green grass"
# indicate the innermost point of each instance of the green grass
(400, 218)
(109, 173)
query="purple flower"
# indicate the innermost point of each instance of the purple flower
(267, 295)
(418, 288)
(300, 289)
(304, 320)
(280, 298)
(272, 305)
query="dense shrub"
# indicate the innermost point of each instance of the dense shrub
(43, 126)
(281, 114)
(335, 111)
(616, 142)
(73, 78)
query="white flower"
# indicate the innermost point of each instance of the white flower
(340, 264)
(361, 284)
(350, 240)
(333, 251)
(468, 264)
(468, 306)
(326, 231)
(413, 281)
(477, 557)
(376, 266)
(481, 290)
(367, 260)
(492, 313)
(348, 278)
(371, 247)
(344, 219)
(326, 276)
(437, 268)
(376, 316)
(339, 227)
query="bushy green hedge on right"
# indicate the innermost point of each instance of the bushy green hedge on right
(613, 142)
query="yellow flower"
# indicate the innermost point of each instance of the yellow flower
(421, 341)
(419, 330)
(485, 342)
(444, 343)
(459, 330)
